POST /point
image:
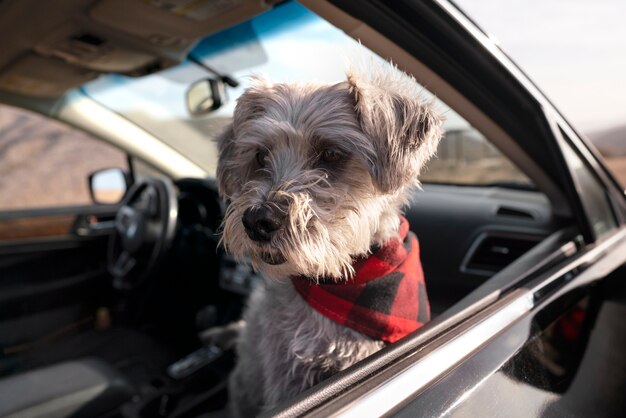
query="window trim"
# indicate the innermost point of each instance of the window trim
(570, 140)
(593, 161)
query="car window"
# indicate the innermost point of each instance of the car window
(610, 145)
(44, 163)
(593, 196)
(288, 43)
(466, 157)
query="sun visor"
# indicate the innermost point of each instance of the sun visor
(90, 50)
(38, 76)
(174, 23)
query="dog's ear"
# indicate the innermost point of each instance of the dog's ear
(404, 129)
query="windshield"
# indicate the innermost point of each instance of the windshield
(288, 43)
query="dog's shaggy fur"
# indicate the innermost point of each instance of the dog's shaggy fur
(335, 164)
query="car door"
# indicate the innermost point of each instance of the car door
(53, 238)
(544, 336)
(548, 343)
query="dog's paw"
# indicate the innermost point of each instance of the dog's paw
(225, 337)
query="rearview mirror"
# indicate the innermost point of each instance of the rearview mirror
(107, 187)
(205, 96)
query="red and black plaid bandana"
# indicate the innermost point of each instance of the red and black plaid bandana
(385, 300)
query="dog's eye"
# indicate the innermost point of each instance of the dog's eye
(260, 157)
(331, 155)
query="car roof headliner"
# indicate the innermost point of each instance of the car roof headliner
(53, 46)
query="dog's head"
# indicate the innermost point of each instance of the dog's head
(317, 174)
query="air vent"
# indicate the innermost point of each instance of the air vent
(518, 213)
(493, 253)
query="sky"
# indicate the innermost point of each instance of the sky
(574, 50)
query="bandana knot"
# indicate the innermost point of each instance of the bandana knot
(385, 299)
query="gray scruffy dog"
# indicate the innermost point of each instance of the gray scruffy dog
(315, 175)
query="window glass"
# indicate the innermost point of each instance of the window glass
(614, 154)
(288, 43)
(44, 163)
(465, 157)
(592, 193)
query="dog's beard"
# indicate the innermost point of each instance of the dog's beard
(323, 230)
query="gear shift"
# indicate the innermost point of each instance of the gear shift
(206, 318)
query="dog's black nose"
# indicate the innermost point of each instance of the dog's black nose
(260, 223)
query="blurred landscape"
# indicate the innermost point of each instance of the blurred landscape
(44, 163)
(465, 157)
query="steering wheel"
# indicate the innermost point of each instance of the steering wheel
(145, 225)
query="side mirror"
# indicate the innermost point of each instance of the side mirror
(205, 96)
(108, 186)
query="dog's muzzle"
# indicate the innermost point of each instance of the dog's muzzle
(261, 222)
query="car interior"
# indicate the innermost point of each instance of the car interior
(98, 320)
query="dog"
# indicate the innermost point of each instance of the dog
(315, 177)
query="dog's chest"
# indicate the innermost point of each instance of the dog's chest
(297, 346)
